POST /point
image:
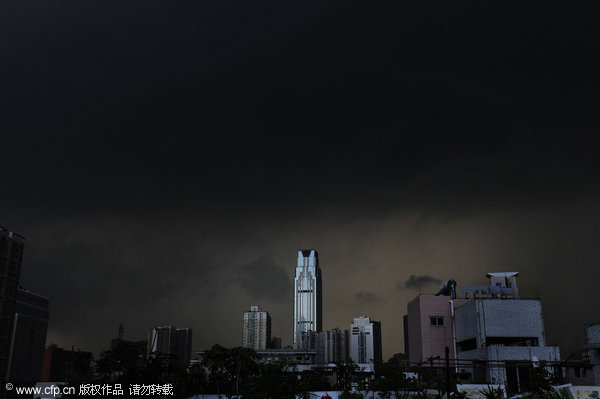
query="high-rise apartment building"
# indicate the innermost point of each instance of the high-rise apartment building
(308, 306)
(256, 330)
(333, 346)
(11, 257)
(175, 343)
(365, 340)
(306, 340)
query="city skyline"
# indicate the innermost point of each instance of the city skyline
(412, 280)
(164, 161)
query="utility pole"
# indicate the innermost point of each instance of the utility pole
(447, 373)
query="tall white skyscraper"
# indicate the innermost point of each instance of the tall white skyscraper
(257, 328)
(308, 306)
(365, 340)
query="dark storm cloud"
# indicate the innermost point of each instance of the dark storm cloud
(366, 297)
(103, 264)
(162, 102)
(263, 279)
(418, 282)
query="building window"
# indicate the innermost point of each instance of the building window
(436, 320)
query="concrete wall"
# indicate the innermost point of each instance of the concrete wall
(489, 318)
(513, 318)
(500, 318)
(592, 333)
(466, 322)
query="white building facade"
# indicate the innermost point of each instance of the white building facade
(365, 340)
(308, 306)
(256, 330)
(503, 331)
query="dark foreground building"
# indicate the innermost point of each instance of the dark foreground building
(61, 365)
(29, 338)
(11, 257)
(174, 343)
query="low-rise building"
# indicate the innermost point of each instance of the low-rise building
(592, 344)
(492, 335)
(430, 327)
(503, 333)
(577, 369)
(62, 365)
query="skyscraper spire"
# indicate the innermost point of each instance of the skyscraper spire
(308, 307)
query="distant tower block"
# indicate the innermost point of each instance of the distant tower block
(308, 306)
(121, 331)
(256, 330)
(365, 340)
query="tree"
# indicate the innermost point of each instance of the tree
(275, 380)
(390, 378)
(539, 383)
(230, 370)
(122, 363)
(314, 380)
(243, 362)
(216, 360)
(350, 376)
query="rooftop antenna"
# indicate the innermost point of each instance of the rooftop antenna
(121, 331)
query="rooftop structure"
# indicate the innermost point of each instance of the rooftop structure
(502, 285)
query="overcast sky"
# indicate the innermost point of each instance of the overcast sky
(167, 160)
